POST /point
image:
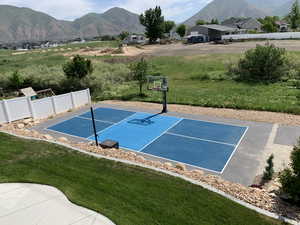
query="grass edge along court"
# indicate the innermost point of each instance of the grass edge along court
(126, 194)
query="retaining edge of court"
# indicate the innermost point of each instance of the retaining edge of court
(203, 185)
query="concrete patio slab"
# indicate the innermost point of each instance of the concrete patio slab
(33, 204)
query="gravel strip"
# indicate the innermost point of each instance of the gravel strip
(247, 115)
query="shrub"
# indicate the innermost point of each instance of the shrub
(290, 177)
(263, 64)
(78, 68)
(16, 80)
(269, 170)
(139, 71)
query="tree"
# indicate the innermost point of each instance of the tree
(295, 15)
(78, 68)
(265, 63)
(201, 22)
(214, 21)
(181, 30)
(123, 35)
(16, 80)
(269, 23)
(169, 25)
(290, 177)
(153, 20)
(139, 71)
(269, 170)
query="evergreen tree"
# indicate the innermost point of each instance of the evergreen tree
(295, 15)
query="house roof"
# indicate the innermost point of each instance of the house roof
(218, 27)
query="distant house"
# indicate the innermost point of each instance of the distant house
(243, 24)
(134, 39)
(282, 26)
(210, 32)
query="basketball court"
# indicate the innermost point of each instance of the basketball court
(201, 144)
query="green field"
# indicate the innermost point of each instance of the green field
(195, 80)
(202, 81)
(128, 195)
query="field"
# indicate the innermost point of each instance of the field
(200, 80)
(126, 194)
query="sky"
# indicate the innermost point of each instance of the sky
(177, 10)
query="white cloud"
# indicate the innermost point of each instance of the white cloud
(61, 9)
(177, 10)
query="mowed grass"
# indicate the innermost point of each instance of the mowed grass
(202, 81)
(127, 195)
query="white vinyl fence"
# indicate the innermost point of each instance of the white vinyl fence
(24, 107)
(278, 36)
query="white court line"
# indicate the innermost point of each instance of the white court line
(179, 117)
(145, 146)
(102, 121)
(115, 124)
(200, 139)
(232, 154)
(171, 160)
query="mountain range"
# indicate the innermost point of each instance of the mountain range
(224, 9)
(24, 24)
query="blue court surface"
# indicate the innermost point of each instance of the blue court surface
(201, 144)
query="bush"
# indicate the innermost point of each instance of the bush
(269, 170)
(290, 178)
(16, 81)
(263, 64)
(78, 68)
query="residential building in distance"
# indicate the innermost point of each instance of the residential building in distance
(210, 32)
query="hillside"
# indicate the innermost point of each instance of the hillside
(267, 6)
(21, 24)
(111, 22)
(24, 24)
(223, 9)
(284, 9)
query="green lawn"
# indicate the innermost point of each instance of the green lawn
(202, 81)
(195, 80)
(128, 195)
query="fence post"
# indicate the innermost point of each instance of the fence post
(31, 109)
(89, 96)
(53, 104)
(73, 100)
(6, 110)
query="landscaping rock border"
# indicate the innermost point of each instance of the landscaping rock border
(260, 200)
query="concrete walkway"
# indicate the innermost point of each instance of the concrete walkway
(33, 204)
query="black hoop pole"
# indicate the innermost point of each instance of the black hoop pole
(165, 107)
(94, 126)
(165, 91)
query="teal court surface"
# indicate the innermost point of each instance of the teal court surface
(196, 143)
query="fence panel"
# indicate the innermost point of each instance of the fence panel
(21, 108)
(18, 108)
(63, 103)
(278, 36)
(81, 98)
(42, 108)
(3, 118)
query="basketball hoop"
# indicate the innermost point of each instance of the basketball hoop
(157, 83)
(160, 84)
